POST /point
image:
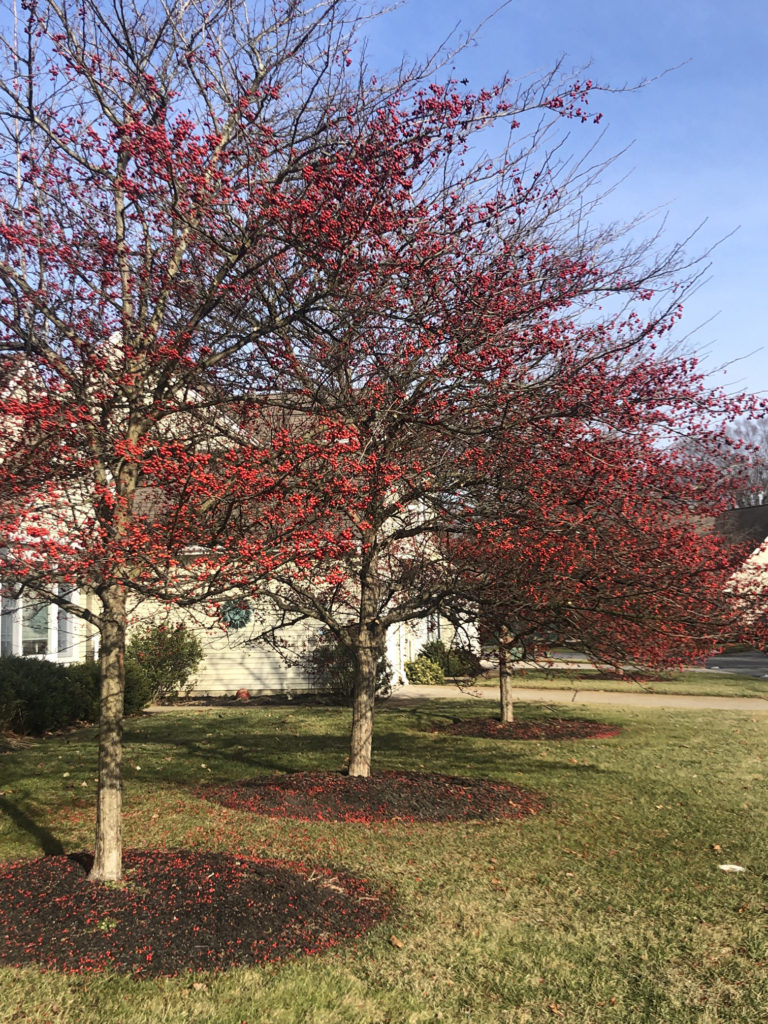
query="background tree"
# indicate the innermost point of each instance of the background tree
(609, 554)
(474, 319)
(751, 470)
(264, 311)
(741, 458)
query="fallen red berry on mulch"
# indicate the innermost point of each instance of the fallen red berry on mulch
(176, 912)
(385, 796)
(535, 729)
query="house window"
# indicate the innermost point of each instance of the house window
(66, 630)
(6, 627)
(34, 629)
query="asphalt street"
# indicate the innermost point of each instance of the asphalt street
(746, 663)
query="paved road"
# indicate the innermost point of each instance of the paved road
(405, 695)
(747, 663)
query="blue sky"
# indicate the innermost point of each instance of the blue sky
(698, 136)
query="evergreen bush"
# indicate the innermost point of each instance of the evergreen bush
(330, 666)
(38, 696)
(457, 660)
(85, 678)
(166, 657)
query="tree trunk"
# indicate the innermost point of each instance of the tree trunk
(108, 859)
(505, 680)
(368, 650)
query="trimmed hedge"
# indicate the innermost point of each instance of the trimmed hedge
(38, 696)
(86, 677)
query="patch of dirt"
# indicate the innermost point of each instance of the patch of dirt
(176, 912)
(385, 796)
(534, 729)
(11, 741)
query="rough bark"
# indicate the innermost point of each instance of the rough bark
(369, 648)
(108, 857)
(505, 680)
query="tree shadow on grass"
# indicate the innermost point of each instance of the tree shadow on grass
(234, 749)
(49, 844)
(286, 744)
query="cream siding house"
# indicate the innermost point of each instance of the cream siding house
(30, 628)
(231, 662)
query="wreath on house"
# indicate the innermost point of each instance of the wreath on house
(236, 614)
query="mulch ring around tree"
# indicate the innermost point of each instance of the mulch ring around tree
(176, 912)
(385, 796)
(533, 729)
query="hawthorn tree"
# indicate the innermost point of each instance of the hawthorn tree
(153, 172)
(616, 551)
(477, 325)
(190, 197)
(266, 316)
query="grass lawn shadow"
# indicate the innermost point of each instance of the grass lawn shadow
(49, 844)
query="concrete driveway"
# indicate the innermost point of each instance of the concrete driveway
(405, 695)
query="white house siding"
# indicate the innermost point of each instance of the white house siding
(230, 662)
(749, 584)
(233, 663)
(404, 641)
(757, 563)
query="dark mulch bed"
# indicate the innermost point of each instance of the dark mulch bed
(385, 796)
(176, 911)
(534, 729)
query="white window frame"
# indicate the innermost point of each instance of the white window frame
(15, 607)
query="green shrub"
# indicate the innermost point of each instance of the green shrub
(138, 689)
(330, 666)
(9, 702)
(458, 660)
(423, 672)
(166, 657)
(85, 683)
(38, 696)
(85, 678)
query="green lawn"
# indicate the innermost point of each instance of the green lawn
(709, 684)
(609, 907)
